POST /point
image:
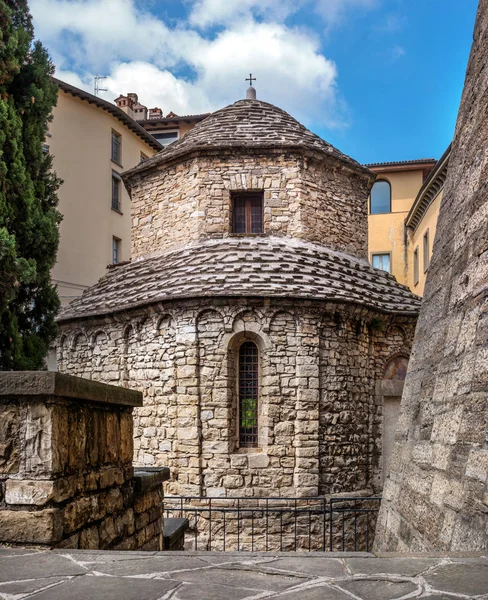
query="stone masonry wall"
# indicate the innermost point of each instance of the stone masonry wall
(313, 199)
(436, 496)
(66, 475)
(318, 413)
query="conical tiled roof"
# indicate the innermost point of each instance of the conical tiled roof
(246, 124)
(245, 267)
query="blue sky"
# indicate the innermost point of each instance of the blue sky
(379, 79)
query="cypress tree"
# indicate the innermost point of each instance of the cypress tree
(28, 216)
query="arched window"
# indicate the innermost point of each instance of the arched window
(248, 395)
(380, 197)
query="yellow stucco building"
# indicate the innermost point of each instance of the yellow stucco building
(92, 143)
(404, 205)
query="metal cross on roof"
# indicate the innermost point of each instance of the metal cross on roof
(250, 79)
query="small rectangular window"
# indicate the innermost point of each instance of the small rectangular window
(143, 157)
(115, 250)
(116, 183)
(165, 138)
(247, 212)
(116, 147)
(426, 249)
(416, 266)
(382, 261)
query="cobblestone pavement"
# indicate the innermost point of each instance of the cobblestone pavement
(90, 575)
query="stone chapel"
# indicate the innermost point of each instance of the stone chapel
(249, 315)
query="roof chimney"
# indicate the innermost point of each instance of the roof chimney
(155, 113)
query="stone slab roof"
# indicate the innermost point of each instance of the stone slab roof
(246, 124)
(245, 267)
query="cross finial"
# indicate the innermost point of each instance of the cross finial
(250, 79)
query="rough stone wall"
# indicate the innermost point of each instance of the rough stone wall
(66, 475)
(306, 198)
(436, 496)
(318, 410)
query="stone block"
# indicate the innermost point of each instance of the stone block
(9, 438)
(37, 452)
(24, 491)
(258, 461)
(37, 527)
(89, 539)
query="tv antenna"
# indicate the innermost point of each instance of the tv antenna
(97, 87)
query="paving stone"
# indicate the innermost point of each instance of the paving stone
(378, 589)
(108, 588)
(243, 578)
(236, 576)
(406, 566)
(7, 590)
(440, 597)
(28, 566)
(147, 565)
(460, 578)
(213, 591)
(324, 592)
(322, 567)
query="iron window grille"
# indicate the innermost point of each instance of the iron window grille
(116, 147)
(248, 395)
(116, 205)
(247, 213)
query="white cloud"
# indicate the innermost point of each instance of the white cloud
(217, 12)
(223, 12)
(180, 69)
(397, 52)
(333, 11)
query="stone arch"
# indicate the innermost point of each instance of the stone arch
(234, 344)
(165, 323)
(212, 408)
(248, 320)
(396, 335)
(282, 313)
(99, 354)
(94, 337)
(332, 320)
(77, 337)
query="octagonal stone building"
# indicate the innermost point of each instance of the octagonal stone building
(249, 316)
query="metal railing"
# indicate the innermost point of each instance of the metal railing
(264, 524)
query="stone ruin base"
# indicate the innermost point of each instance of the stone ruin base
(66, 475)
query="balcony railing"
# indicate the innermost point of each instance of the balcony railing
(277, 524)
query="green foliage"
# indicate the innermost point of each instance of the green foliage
(28, 216)
(249, 413)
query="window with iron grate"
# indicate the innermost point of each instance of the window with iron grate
(248, 395)
(247, 212)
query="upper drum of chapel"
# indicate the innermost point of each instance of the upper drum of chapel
(247, 124)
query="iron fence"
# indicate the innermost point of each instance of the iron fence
(264, 524)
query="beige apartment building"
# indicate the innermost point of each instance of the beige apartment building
(92, 142)
(403, 211)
